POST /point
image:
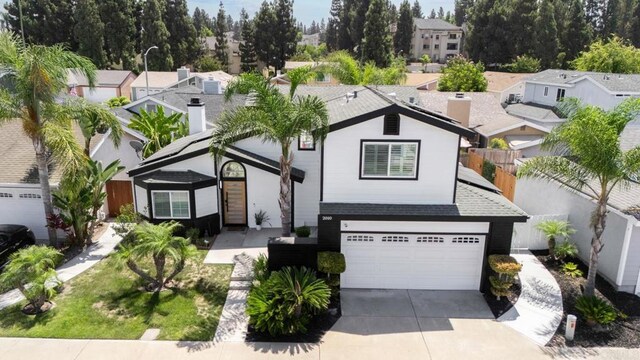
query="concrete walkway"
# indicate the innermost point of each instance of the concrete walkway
(229, 244)
(538, 312)
(76, 266)
(234, 320)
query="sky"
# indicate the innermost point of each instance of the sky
(304, 10)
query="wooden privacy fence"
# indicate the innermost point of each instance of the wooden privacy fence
(503, 158)
(503, 179)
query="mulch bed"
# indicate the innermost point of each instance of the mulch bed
(499, 307)
(621, 333)
(316, 329)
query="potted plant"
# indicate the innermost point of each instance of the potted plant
(261, 218)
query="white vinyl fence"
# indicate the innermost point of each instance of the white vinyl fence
(526, 236)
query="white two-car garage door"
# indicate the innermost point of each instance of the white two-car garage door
(413, 255)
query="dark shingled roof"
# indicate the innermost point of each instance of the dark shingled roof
(174, 177)
(471, 201)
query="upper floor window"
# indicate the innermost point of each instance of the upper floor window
(546, 91)
(560, 94)
(452, 36)
(389, 160)
(437, 37)
(391, 124)
(452, 46)
(306, 142)
(170, 204)
(436, 46)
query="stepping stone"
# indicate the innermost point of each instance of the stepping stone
(150, 334)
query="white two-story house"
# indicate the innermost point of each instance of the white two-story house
(385, 188)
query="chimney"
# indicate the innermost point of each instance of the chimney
(459, 108)
(183, 73)
(211, 87)
(197, 118)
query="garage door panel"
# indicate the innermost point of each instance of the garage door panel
(413, 261)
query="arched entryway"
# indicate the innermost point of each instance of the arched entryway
(234, 193)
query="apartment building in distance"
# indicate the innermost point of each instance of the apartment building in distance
(437, 38)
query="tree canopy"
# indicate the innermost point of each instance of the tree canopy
(612, 56)
(461, 74)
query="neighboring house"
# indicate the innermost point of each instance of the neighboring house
(437, 38)
(620, 258)
(160, 81)
(312, 39)
(483, 113)
(508, 86)
(321, 78)
(20, 195)
(385, 189)
(604, 90)
(233, 50)
(423, 81)
(109, 84)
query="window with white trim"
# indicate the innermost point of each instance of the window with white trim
(170, 204)
(390, 160)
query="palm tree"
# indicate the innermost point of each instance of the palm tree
(554, 229)
(159, 128)
(158, 243)
(276, 118)
(593, 161)
(349, 72)
(32, 271)
(95, 119)
(37, 74)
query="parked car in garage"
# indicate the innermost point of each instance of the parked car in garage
(12, 239)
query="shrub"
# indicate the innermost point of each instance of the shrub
(261, 269)
(571, 269)
(498, 143)
(506, 268)
(330, 262)
(261, 217)
(595, 310)
(565, 250)
(553, 229)
(208, 63)
(126, 222)
(303, 231)
(286, 302)
(488, 170)
(523, 64)
(118, 101)
(32, 271)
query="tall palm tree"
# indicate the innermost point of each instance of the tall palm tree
(349, 72)
(592, 161)
(273, 117)
(37, 75)
(159, 128)
(95, 119)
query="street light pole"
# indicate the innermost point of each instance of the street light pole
(146, 71)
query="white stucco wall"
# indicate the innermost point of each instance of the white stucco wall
(203, 164)
(586, 90)
(99, 94)
(206, 201)
(436, 169)
(107, 152)
(538, 197)
(142, 202)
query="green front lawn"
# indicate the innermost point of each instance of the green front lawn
(106, 303)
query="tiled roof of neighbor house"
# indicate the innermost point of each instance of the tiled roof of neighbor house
(612, 82)
(111, 78)
(215, 105)
(18, 160)
(434, 24)
(487, 114)
(630, 137)
(471, 201)
(501, 81)
(532, 111)
(174, 177)
(163, 79)
(417, 79)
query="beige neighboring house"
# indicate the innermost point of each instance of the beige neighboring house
(233, 50)
(483, 113)
(109, 84)
(160, 81)
(312, 39)
(437, 38)
(423, 81)
(509, 86)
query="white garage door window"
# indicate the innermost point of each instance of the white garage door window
(412, 261)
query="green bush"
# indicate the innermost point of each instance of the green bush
(118, 101)
(498, 143)
(595, 310)
(488, 170)
(287, 301)
(330, 262)
(261, 269)
(506, 267)
(303, 231)
(571, 269)
(523, 64)
(565, 250)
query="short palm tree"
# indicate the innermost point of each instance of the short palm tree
(157, 243)
(37, 75)
(160, 129)
(95, 119)
(32, 271)
(349, 72)
(274, 118)
(554, 229)
(593, 161)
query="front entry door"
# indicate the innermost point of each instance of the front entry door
(235, 198)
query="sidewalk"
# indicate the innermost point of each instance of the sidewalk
(76, 266)
(538, 311)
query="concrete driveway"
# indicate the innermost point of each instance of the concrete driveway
(412, 324)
